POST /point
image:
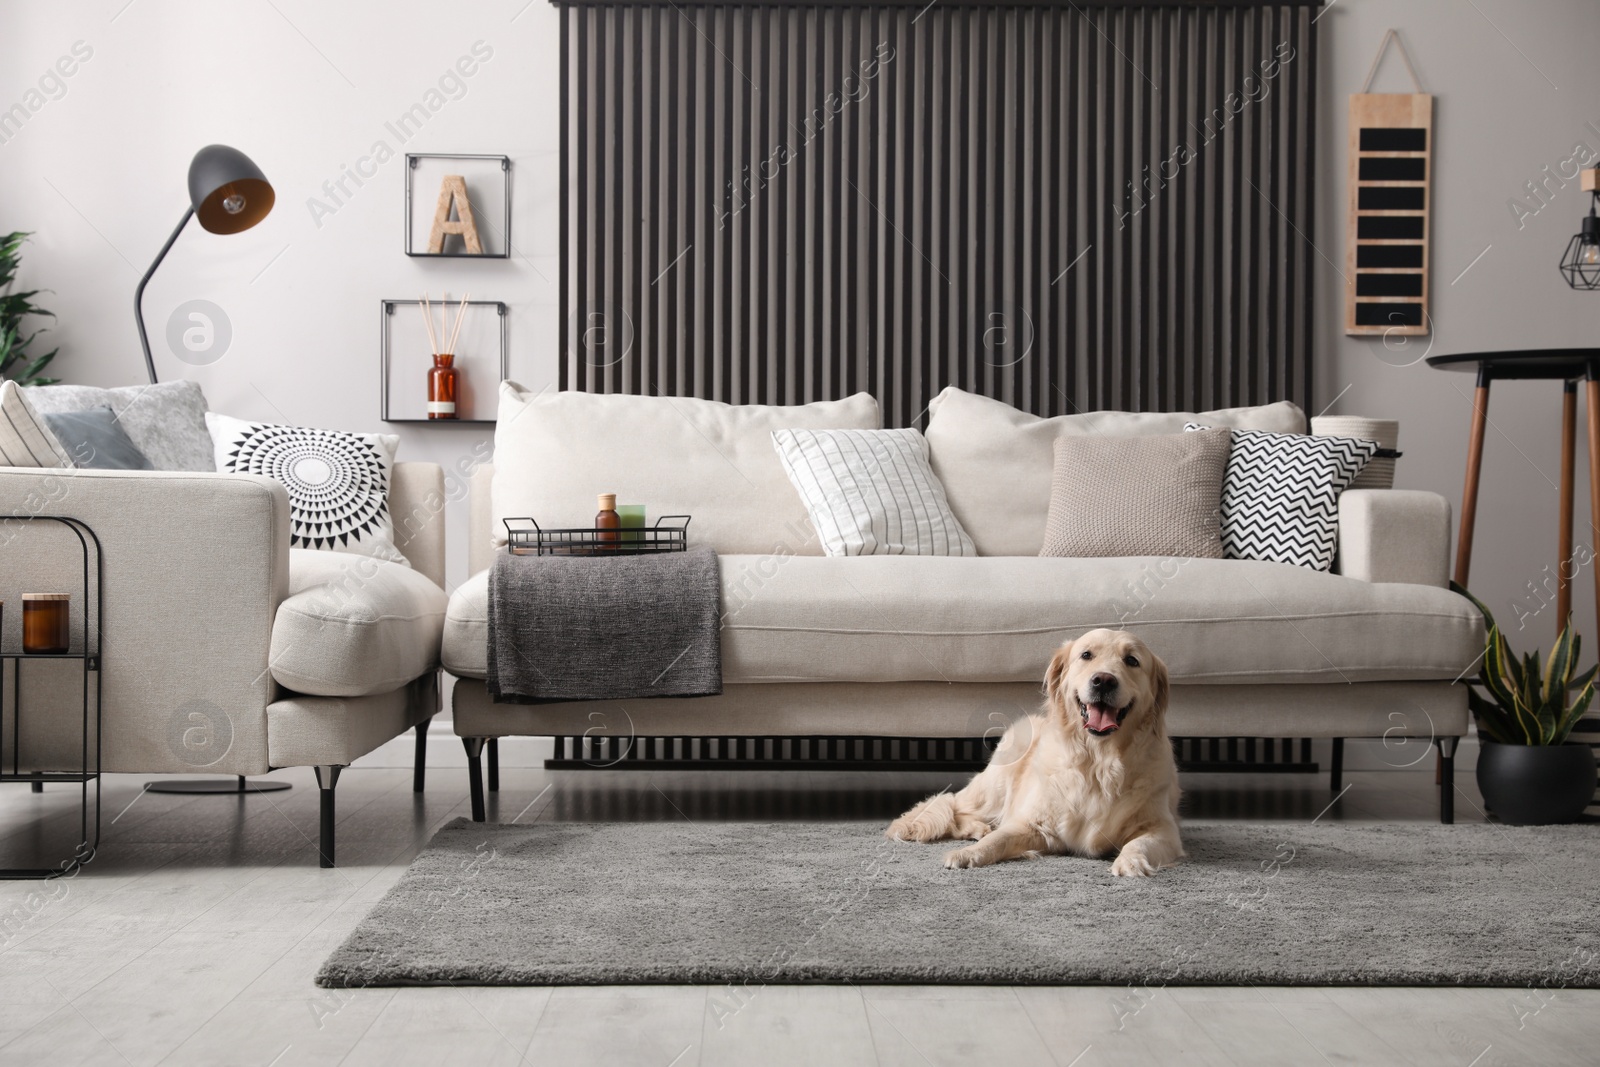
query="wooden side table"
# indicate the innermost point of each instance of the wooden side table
(1566, 365)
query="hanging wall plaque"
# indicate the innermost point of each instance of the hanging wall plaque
(1386, 238)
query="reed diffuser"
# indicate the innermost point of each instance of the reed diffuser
(442, 375)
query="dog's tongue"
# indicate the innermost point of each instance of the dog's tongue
(1102, 717)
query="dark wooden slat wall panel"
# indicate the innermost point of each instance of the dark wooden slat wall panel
(1064, 207)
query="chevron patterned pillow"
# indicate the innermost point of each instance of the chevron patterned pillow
(1280, 496)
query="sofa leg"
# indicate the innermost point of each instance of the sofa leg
(419, 766)
(474, 747)
(494, 764)
(1336, 765)
(1447, 779)
(327, 779)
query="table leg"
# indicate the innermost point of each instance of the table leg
(1564, 569)
(1594, 473)
(1469, 494)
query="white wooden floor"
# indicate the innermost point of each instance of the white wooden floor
(193, 937)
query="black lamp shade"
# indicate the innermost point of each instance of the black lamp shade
(228, 192)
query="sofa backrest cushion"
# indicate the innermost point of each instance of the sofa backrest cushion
(997, 462)
(554, 451)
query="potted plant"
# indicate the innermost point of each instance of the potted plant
(14, 307)
(1528, 772)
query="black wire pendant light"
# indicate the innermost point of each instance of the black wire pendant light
(1580, 265)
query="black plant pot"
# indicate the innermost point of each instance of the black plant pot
(1531, 785)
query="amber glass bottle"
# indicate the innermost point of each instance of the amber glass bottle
(442, 387)
(608, 524)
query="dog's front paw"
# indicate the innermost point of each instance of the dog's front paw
(1132, 865)
(962, 858)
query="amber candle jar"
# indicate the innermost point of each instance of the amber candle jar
(46, 623)
(442, 386)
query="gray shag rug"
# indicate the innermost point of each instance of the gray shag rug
(1271, 903)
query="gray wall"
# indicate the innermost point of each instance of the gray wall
(308, 87)
(1516, 89)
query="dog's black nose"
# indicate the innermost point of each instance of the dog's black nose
(1103, 681)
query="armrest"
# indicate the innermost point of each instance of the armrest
(1394, 535)
(480, 521)
(195, 566)
(416, 505)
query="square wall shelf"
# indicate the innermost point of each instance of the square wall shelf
(481, 361)
(488, 187)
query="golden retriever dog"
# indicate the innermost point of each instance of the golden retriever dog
(1091, 776)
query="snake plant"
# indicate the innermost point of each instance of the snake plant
(1528, 703)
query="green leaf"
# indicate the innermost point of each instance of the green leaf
(1483, 609)
(1573, 714)
(1491, 717)
(1558, 668)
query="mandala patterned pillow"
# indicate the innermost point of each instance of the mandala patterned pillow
(1280, 496)
(338, 482)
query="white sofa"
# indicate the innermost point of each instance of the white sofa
(939, 647)
(224, 650)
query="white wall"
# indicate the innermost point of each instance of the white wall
(306, 89)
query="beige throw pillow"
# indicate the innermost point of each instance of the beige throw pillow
(1155, 495)
(995, 460)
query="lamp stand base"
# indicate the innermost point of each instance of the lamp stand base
(216, 786)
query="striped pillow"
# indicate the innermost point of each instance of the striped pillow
(871, 492)
(25, 440)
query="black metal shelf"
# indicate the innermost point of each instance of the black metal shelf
(412, 158)
(89, 656)
(386, 314)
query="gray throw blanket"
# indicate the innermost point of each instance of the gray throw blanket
(565, 628)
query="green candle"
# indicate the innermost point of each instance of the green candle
(632, 516)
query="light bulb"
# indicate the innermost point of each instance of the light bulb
(1589, 256)
(233, 203)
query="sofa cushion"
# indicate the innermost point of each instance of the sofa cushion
(167, 421)
(338, 482)
(354, 625)
(996, 461)
(871, 492)
(954, 619)
(96, 441)
(675, 455)
(1280, 500)
(1146, 495)
(26, 439)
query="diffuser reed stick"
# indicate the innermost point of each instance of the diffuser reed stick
(461, 315)
(427, 320)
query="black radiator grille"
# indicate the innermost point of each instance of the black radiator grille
(1065, 207)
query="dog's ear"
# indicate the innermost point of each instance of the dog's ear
(1162, 688)
(1058, 670)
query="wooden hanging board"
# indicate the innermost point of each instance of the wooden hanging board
(1386, 232)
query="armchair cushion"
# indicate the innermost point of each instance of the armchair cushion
(354, 625)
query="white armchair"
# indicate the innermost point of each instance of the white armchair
(224, 651)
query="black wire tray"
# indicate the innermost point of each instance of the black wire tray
(535, 540)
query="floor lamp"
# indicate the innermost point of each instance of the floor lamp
(228, 194)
